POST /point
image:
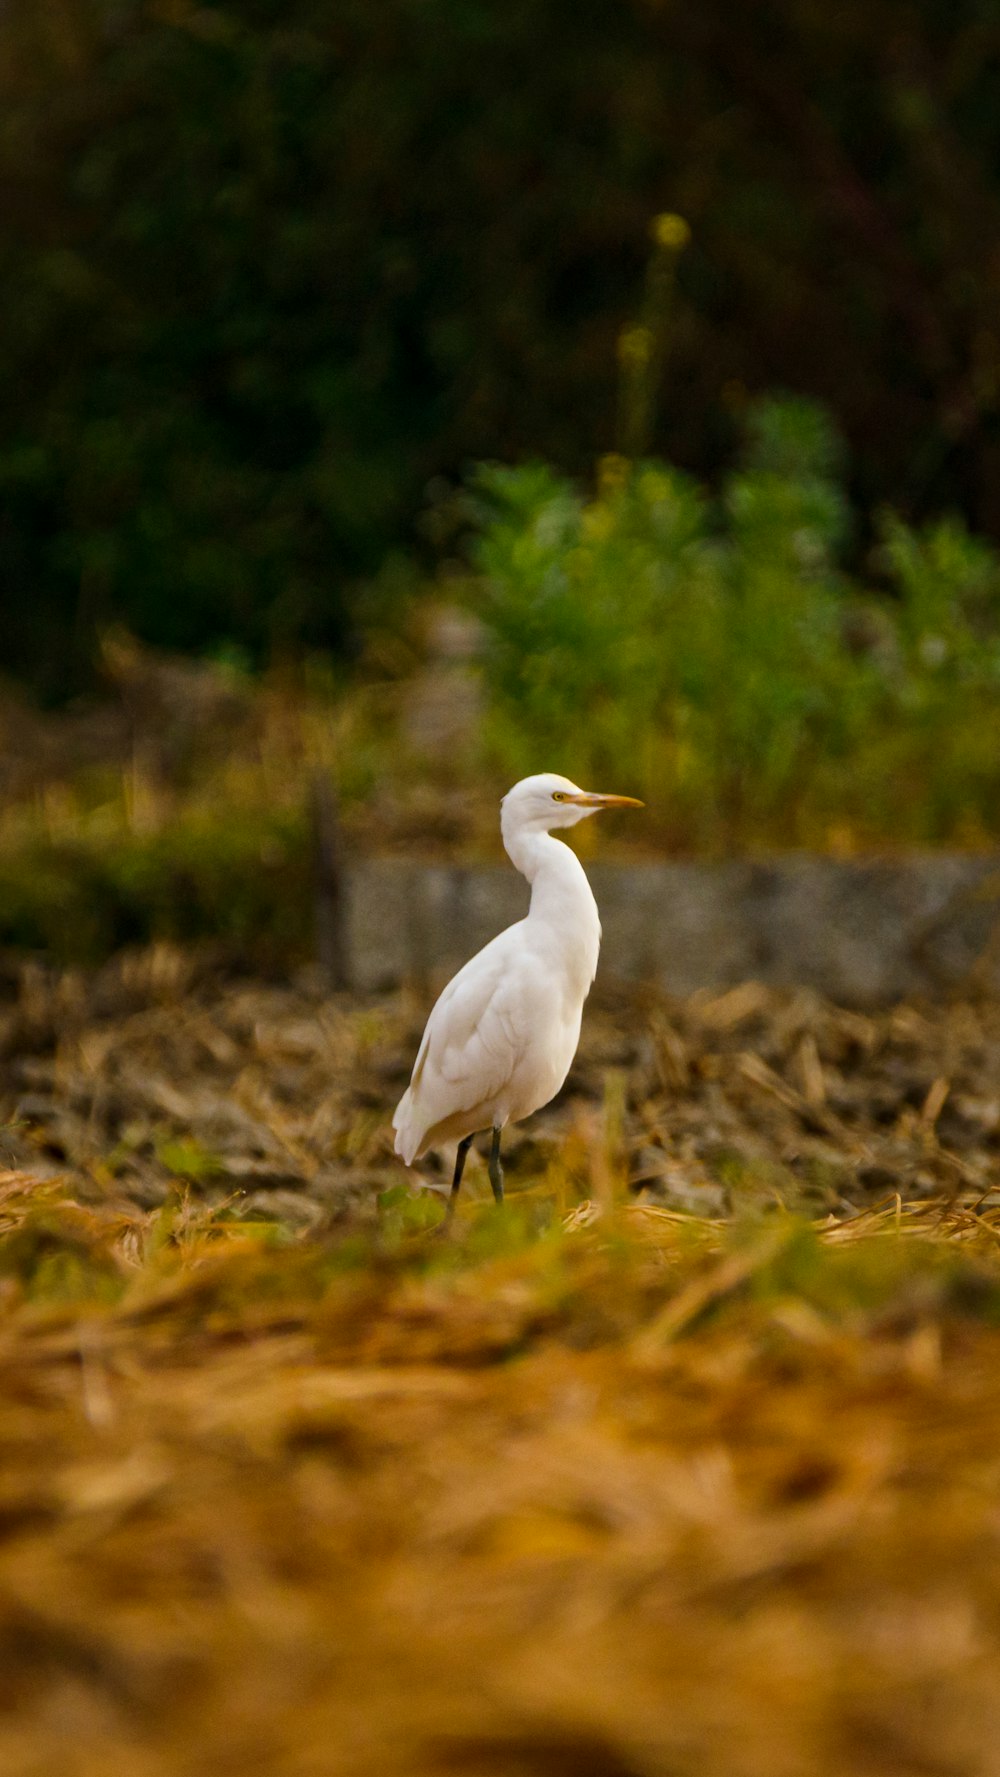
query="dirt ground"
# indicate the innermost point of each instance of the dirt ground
(687, 1462)
(160, 1070)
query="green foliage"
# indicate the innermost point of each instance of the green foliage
(186, 1158)
(60, 1253)
(866, 1281)
(714, 656)
(267, 268)
(949, 592)
(241, 878)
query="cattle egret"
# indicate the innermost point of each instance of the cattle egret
(501, 1038)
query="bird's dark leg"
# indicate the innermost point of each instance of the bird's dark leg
(496, 1170)
(463, 1149)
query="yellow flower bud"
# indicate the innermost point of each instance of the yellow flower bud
(671, 231)
(635, 347)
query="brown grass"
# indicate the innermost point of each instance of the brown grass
(702, 1479)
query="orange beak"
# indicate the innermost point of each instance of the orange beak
(590, 799)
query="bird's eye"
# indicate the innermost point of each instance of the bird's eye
(558, 795)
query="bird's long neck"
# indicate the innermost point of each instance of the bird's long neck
(561, 896)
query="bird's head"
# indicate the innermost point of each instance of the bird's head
(538, 804)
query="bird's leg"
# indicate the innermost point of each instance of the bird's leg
(463, 1149)
(496, 1170)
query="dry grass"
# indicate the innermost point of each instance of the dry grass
(703, 1479)
(157, 1072)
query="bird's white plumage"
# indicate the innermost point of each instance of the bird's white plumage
(502, 1037)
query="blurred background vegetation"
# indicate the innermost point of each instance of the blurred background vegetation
(267, 270)
(662, 343)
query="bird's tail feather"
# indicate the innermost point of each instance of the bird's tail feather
(407, 1137)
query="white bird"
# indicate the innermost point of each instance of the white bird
(502, 1037)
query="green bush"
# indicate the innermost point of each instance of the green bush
(715, 656)
(244, 881)
(269, 266)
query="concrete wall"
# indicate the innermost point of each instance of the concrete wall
(863, 932)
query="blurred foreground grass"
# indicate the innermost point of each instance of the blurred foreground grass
(687, 1462)
(633, 1494)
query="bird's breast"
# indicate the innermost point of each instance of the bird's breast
(545, 1054)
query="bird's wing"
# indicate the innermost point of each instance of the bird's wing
(475, 1035)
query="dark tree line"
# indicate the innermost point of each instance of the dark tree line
(269, 266)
